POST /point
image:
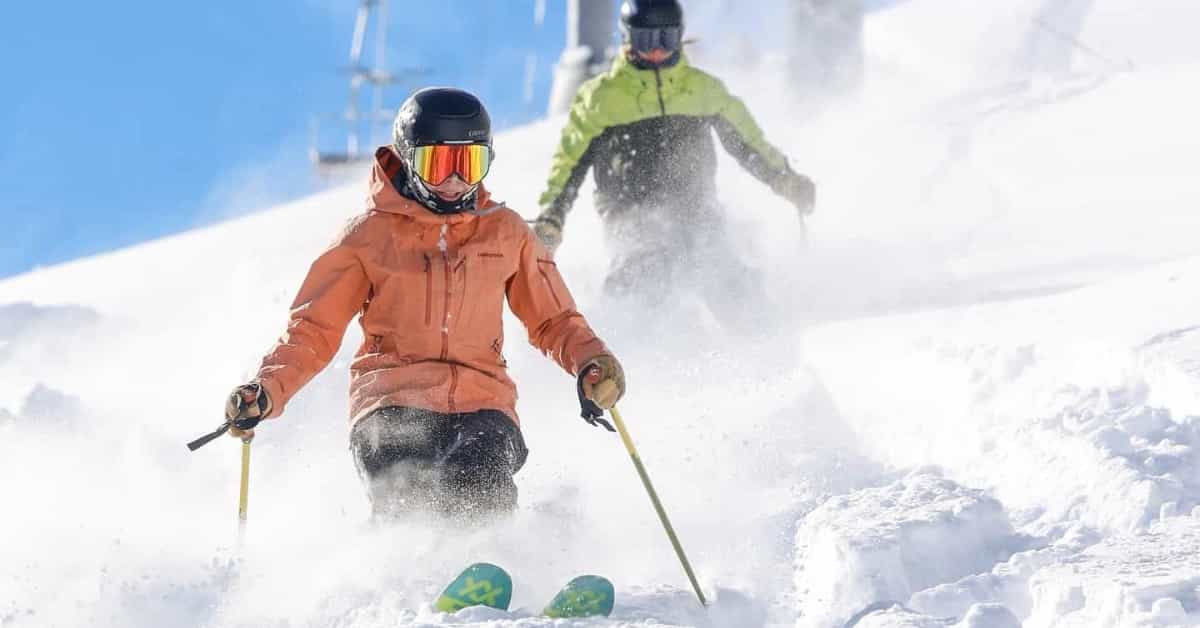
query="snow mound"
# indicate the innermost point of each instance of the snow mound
(1076, 411)
(887, 543)
(46, 407)
(896, 616)
(1007, 583)
(1083, 391)
(1151, 578)
(37, 344)
(989, 616)
(1172, 362)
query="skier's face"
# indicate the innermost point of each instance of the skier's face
(452, 189)
(657, 56)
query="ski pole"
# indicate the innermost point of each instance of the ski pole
(658, 507)
(244, 495)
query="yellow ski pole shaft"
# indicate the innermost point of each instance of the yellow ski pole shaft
(662, 514)
(244, 496)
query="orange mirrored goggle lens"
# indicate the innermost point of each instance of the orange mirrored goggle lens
(435, 163)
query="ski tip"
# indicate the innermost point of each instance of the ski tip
(487, 568)
(584, 596)
(481, 584)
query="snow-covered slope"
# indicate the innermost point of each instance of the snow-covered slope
(1075, 411)
(979, 409)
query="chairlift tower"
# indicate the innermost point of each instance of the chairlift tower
(353, 120)
(591, 37)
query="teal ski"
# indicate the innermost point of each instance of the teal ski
(481, 584)
(485, 584)
(585, 596)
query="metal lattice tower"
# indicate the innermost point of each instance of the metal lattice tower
(362, 126)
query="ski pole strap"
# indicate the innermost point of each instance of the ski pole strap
(588, 409)
(247, 423)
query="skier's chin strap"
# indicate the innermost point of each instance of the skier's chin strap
(588, 409)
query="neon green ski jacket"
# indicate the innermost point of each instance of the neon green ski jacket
(648, 135)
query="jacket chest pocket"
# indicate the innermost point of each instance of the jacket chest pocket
(483, 276)
(408, 293)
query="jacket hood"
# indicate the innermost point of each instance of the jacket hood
(383, 195)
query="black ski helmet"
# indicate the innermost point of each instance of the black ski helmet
(646, 24)
(651, 14)
(436, 115)
(439, 115)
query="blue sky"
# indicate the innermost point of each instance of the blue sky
(130, 120)
(125, 121)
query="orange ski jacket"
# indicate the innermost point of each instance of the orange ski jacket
(429, 291)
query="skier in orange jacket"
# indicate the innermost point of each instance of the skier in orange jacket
(432, 410)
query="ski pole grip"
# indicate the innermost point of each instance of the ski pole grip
(208, 438)
(604, 388)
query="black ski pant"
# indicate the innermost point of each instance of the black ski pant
(459, 466)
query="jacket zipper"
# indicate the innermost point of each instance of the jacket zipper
(428, 288)
(658, 80)
(444, 246)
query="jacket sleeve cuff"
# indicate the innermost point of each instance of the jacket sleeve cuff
(583, 364)
(552, 217)
(274, 394)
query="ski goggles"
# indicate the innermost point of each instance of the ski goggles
(437, 162)
(669, 38)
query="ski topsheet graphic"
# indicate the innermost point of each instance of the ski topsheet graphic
(584, 596)
(485, 584)
(481, 584)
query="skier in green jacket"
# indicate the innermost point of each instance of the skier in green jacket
(645, 129)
